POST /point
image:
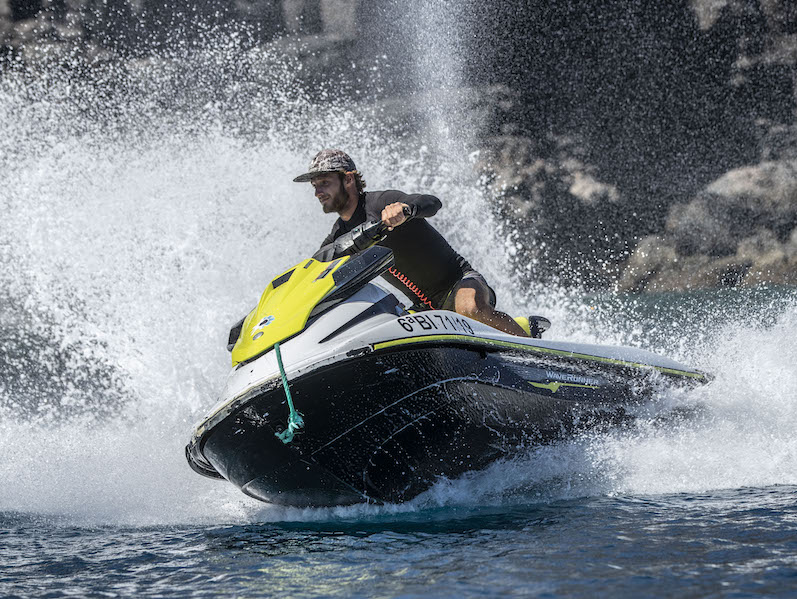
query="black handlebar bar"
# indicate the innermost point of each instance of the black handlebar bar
(365, 235)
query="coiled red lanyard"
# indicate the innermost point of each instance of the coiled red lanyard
(405, 280)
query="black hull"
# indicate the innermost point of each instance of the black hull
(384, 426)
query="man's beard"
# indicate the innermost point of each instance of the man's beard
(336, 202)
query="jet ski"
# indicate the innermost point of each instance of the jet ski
(341, 393)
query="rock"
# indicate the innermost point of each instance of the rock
(740, 230)
(781, 15)
(790, 247)
(700, 227)
(767, 190)
(778, 142)
(592, 192)
(762, 242)
(652, 254)
(666, 271)
(771, 261)
(734, 207)
(573, 226)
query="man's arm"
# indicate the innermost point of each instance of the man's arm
(423, 205)
(393, 203)
(427, 205)
(389, 208)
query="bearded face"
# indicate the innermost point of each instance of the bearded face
(330, 192)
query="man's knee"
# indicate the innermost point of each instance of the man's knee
(469, 309)
(472, 301)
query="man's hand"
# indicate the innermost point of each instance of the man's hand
(393, 215)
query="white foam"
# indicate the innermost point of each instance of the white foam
(738, 431)
(139, 224)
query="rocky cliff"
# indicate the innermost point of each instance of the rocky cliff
(648, 145)
(630, 144)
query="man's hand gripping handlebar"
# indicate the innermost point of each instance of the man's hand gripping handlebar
(360, 238)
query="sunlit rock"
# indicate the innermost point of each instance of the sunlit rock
(739, 231)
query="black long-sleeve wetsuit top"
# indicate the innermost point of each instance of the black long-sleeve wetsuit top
(424, 259)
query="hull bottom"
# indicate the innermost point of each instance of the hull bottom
(385, 426)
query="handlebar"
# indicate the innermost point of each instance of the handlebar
(365, 235)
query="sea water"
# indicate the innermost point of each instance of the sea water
(144, 208)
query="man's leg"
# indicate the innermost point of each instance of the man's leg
(472, 299)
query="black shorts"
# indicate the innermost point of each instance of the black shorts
(470, 275)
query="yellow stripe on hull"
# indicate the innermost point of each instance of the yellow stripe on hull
(530, 348)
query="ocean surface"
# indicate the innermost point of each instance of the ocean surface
(731, 543)
(143, 210)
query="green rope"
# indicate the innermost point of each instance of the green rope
(295, 421)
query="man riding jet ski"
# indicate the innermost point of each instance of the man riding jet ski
(341, 392)
(426, 267)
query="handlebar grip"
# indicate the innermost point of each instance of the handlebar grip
(365, 235)
(409, 212)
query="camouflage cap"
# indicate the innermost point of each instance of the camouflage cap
(328, 161)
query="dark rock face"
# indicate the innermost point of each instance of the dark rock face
(629, 143)
(657, 103)
(740, 230)
(736, 206)
(555, 197)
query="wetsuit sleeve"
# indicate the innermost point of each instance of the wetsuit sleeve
(425, 205)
